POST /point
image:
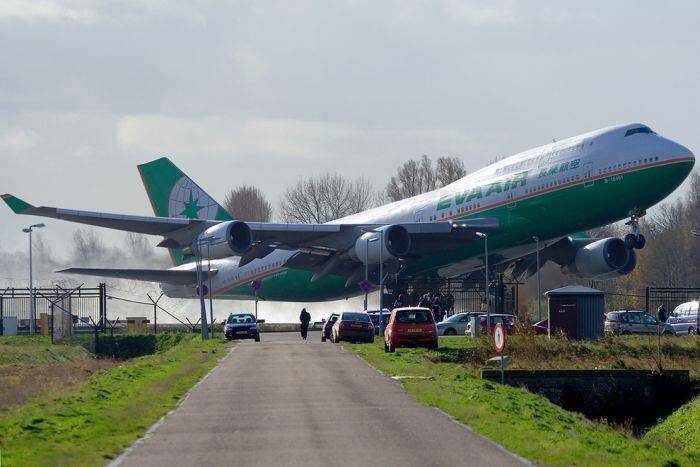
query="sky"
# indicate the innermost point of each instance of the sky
(265, 92)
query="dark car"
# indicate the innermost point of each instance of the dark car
(374, 316)
(327, 330)
(410, 327)
(241, 326)
(353, 327)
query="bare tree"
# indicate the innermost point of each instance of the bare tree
(414, 177)
(325, 198)
(248, 203)
(449, 169)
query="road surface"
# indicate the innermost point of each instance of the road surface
(287, 402)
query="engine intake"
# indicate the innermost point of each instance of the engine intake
(602, 259)
(226, 239)
(397, 243)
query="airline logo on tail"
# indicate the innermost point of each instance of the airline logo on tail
(188, 200)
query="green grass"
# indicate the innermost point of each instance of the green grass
(524, 423)
(37, 350)
(681, 430)
(108, 412)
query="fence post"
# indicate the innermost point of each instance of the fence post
(103, 305)
(2, 323)
(646, 303)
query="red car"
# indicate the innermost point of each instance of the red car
(508, 322)
(410, 327)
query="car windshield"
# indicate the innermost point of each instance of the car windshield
(241, 319)
(455, 318)
(612, 316)
(418, 317)
(364, 317)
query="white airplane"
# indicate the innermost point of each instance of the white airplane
(547, 193)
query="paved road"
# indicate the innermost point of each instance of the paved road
(287, 402)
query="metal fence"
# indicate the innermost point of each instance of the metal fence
(79, 310)
(670, 297)
(464, 294)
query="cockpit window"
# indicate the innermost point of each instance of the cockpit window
(641, 129)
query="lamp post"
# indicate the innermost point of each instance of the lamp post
(32, 309)
(696, 233)
(200, 287)
(539, 291)
(211, 292)
(486, 290)
(366, 271)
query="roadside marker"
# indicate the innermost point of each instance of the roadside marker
(499, 343)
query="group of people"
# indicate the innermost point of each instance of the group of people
(431, 302)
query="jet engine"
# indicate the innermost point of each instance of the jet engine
(397, 243)
(606, 258)
(230, 238)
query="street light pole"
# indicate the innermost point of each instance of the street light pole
(486, 289)
(539, 291)
(211, 291)
(381, 281)
(366, 271)
(32, 307)
(200, 288)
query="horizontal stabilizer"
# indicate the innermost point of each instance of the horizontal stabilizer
(170, 276)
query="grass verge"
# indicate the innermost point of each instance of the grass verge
(681, 430)
(108, 412)
(524, 423)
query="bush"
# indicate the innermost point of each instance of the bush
(130, 346)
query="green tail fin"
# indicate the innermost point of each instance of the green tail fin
(174, 194)
(17, 205)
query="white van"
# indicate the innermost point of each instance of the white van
(684, 318)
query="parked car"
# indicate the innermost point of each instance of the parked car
(455, 324)
(634, 322)
(410, 327)
(241, 326)
(508, 322)
(541, 327)
(374, 316)
(327, 329)
(684, 319)
(353, 327)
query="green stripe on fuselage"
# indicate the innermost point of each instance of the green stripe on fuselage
(549, 215)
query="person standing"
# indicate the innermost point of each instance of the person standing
(398, 303)
(305, 318)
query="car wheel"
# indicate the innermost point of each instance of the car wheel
(450, 332)
(691, 330)
(257, 338)
(386, 347)
(669, 333)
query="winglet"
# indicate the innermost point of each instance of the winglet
(16, 204)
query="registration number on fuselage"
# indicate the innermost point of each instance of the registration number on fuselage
(614, 178)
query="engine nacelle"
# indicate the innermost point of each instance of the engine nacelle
(397, 243)
(602, 259)
(230, 238)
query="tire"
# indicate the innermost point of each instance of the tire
(386, 348)
(371, 341)
(257, 338)
(640, 242)
(691, 331)
(323, 338)
(450, 332)
(669, 333)
(630, 241)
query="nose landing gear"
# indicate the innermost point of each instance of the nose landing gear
(635, 239)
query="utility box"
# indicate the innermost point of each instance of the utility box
(137, 325)
(9, 326)
(578, 311)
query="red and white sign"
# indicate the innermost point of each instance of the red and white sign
(499, 337)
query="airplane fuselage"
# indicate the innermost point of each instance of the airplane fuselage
(548, 192)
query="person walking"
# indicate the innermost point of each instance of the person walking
(398, 303)
(305, 318)
(662, 313)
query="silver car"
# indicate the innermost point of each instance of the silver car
(684, 319)
(455, 325)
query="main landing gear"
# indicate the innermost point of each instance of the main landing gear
(635, 239)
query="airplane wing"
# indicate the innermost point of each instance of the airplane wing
(165, 226)
(170, 276)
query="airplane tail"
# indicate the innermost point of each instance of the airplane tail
(174, 194)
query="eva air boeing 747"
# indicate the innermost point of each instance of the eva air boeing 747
(546, 193)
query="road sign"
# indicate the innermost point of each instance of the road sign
(366, 285)
(256, 285)
(499, 338)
